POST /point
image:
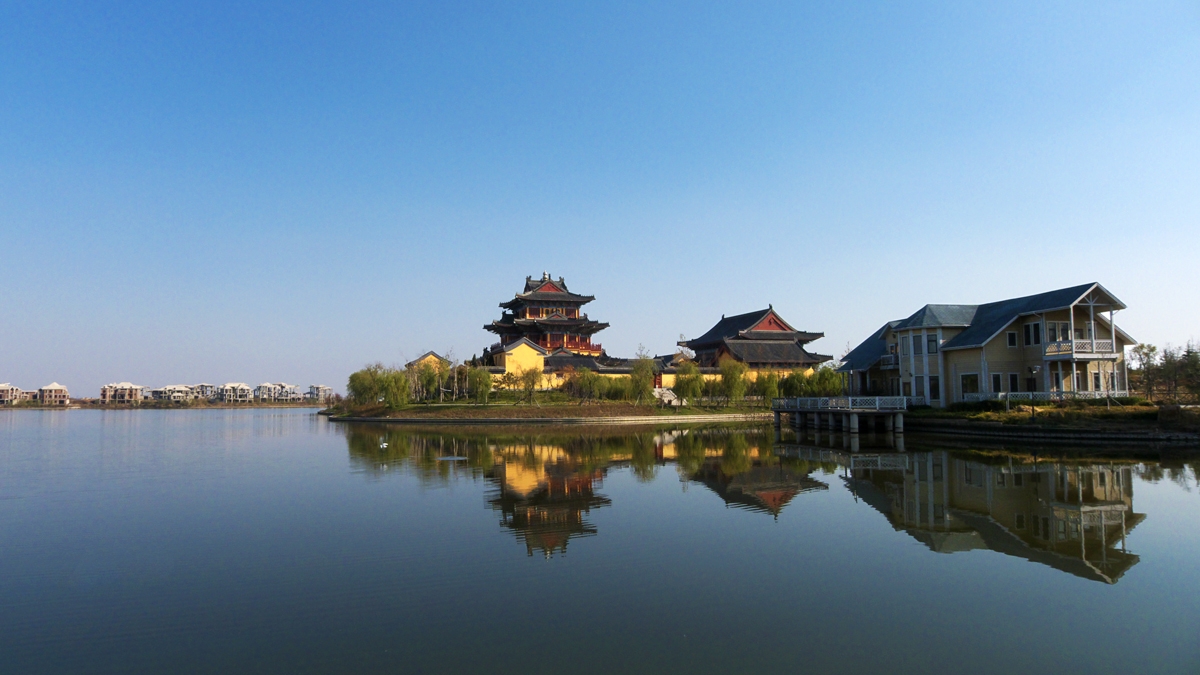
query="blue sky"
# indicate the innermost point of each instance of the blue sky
(285, 191)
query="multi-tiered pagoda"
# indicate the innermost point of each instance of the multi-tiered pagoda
(549, 315)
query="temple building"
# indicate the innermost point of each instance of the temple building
(762, 340)
(550, 316)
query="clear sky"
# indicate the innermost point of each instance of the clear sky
(285, 191)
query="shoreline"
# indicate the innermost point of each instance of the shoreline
(227, 406)
(620, 420)
(1048, 432)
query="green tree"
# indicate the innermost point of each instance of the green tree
(767, 386)
(641, 380)
(364, 386)
(825, 381)
(733, 379)
(479, 383)
(1146, 358)
(529, 381)
(375, 384)
(689, 383)
(794, 384)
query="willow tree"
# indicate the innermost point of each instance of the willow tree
(733, 378)
(689, 383)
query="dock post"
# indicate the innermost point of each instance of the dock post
(899, 422)
(854, 423)
(888, 420)
(815, 421)
(831, 422)
(776, 419)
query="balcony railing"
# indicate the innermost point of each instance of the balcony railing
(1063, 347)
(888, 361)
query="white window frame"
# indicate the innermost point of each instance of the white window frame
(1014, 340)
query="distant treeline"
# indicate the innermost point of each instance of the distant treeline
(394, 388)
(1170, 374)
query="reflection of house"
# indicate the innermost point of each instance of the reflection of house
(1071, 517)
(545, 505)
(764, 487)
(1061, 341)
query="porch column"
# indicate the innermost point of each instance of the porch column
(854, 423)
(1092, 321)
(899, 424)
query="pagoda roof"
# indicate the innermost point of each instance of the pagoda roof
(546, 290)
(763, 324)
(554, 322)
(773, 351)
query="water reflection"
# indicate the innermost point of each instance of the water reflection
(1072, 516)
(546, 484)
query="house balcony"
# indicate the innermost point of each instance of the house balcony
(889, 362)
(1080, 349)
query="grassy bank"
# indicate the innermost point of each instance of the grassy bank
(550, 409)
(1094, 415)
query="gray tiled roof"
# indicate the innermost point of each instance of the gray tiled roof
(931, 316)
(732, 326)
(783, 352)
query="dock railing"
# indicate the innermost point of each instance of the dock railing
(845, 403)
(1044, 396)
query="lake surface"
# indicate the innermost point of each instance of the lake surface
(272, 541)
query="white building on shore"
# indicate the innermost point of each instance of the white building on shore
(235, 392)
(54, 394)
(319, 393)
(178, 393)
(118, 393)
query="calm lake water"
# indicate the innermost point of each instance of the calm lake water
(268, 541)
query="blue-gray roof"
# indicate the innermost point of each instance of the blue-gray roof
(994, 316)
(869, 352)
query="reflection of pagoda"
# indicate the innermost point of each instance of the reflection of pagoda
(549, 315)
(763, 488)
(547, 511)
(1070, 517)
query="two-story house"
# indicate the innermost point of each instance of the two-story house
(1057, 344)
